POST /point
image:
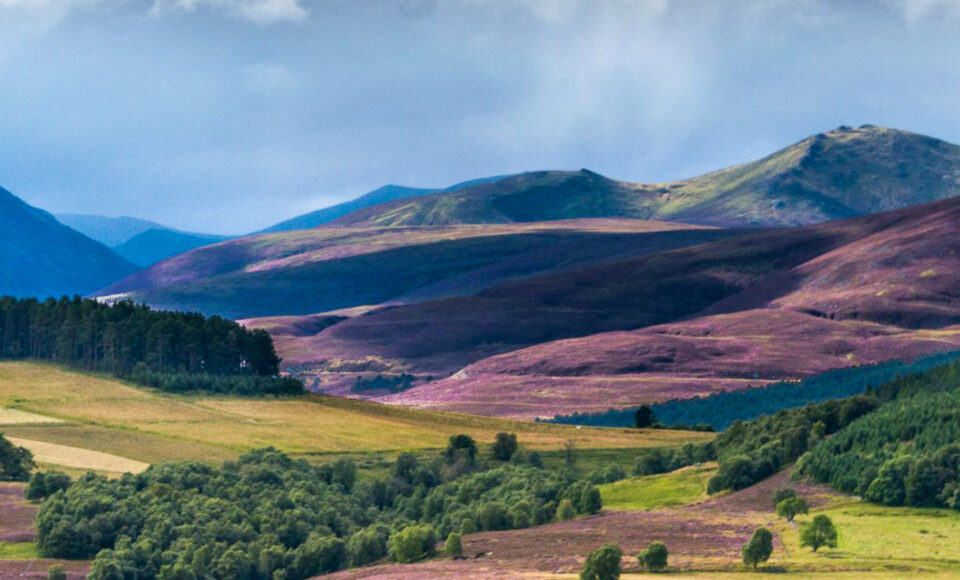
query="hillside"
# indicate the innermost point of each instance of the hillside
(42, 257)
(323, 269)
(380, 195)
(733, 313)
(157, 244)
(842, 173)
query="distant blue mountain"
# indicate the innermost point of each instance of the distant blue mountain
(158, 244)
(110, 231)
(39, 256)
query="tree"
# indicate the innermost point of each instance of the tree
(603, 564)
(758, 549)
(15, 462)
(820, 532)
(412, 543)
(453, 546)
(504, 446)
(44, 484)
(782, 494)
(590, 500)
(461, 446)
(643, 418)
(791, 508)
(654, 557)
(565, 510)
(56, 572)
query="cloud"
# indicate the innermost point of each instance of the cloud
(262, 12)
(916, 10)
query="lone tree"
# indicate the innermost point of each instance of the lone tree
(461, 446)
(453, 546)
(565, 510)
(819, 532)
(792, 507)
(782, 494)
(15, 462)
(654, 557)
(504, 446)
(643, 418)
(758, 549)
(604, 564)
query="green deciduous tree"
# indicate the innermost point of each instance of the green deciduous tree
(654, 557)
(758, 549)
(791, 507)
(603, 564)
(818, 533)
(504, 446)
(453, 546)
(15, 462)
(412, 543)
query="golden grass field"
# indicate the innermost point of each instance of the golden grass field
(110, 416)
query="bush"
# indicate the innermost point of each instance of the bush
(604, 564)
(493, 516)
(818, 533)
(412, 543)
(368, 545)
(758, 549)
(565, 510)
(453, 546)
(56, 572)
(654, 557)
(504, 446)
(791, 508)
(461, 446)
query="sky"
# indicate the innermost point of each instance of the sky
(226, 116)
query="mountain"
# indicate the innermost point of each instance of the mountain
(313, 271)
(729, 314)
(380, 195)
(157, 244)
(110, 231)
(839, 174)
(42, 257)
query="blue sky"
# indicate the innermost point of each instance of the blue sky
(226, 116)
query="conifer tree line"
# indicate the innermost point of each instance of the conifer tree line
(168, 350)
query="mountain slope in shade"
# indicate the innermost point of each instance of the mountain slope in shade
(311, 271)
(380, 195)
(156, 244)
(842, 173)
(42, 257)
(109, 231)
(729, 314)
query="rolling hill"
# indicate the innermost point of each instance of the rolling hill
(109, 231)
(42, 257)
(728, 314)
(314, 271)
(380, 195)
(839, 174)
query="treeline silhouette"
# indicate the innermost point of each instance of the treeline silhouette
(722, 409)
(173, 351)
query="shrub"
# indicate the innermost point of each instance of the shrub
(565, 510)
(368, 545)
(791, 508)
(492, 517)
(412, 543)
(453, 546)
(461, 446)
(504, 446)
(818, 533)
(56, 572)
(590, 501)
(603, 564)
(654, 557)
(758, 549)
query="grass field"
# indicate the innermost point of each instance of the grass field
(682, 487)
(109, 416)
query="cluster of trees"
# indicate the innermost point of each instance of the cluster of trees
(906, 453)
(15, 462)
(394, 384)
(269, 516)
(721, 410)
(175, 350)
